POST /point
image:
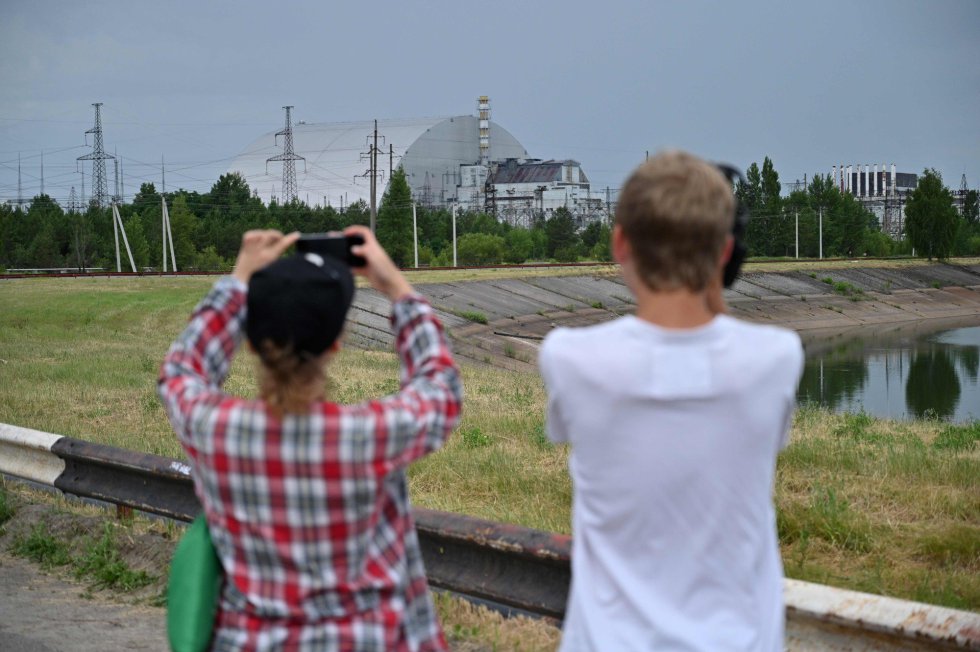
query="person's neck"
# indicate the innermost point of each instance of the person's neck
(679, 308)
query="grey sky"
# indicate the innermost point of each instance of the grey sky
(809, 84)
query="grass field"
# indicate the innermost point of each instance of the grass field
(886, 507)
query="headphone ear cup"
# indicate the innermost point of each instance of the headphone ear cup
(739, 226)
(734, 263)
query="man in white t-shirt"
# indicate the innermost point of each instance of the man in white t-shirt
(675, 417)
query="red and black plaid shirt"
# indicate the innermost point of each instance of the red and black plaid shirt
(310, 512)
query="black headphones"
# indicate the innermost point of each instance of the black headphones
(739, 225)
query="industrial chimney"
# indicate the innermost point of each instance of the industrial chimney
(484, 108)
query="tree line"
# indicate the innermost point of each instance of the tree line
(820, 215)
(207, 227)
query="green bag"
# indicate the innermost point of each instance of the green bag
(193, 590)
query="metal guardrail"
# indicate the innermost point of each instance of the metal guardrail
(513, 566)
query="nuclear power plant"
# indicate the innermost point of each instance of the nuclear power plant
(467, 161)
(882, 190)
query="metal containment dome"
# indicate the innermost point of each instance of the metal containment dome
(430, 150)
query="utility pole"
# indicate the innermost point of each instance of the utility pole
(288, 158)
(820, 209)
(797, 212)
(20, 193)
(42, 172)
(454, 234)
(415, 235)
(372, 171)
(163, 177)
(122, 184)
(374, 179)
(100, 191)
(118, 224)
(391, 160)
(167, 237)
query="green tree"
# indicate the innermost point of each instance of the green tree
(480, 249)
(971, 209)
(208, 260)
(778, 234)
(138, 245)
(394, 227)
(520, 244)
(562, 237)
(228, 210)
(750, 194)
(146, 197)
(435, 228)
(473, 222)
(44, 250)
(183, 226)
(592, 233)
(596, 240)
(356, 213)
(45, 214)
(8, 234)
(931, 219)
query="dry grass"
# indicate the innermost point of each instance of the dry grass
(471, 628)
(808, 264)
(496, 273)
(777, 265)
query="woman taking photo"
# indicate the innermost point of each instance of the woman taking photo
(307, 500)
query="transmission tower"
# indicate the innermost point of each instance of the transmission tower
(100, 189)
(72, 201)
(288, 158)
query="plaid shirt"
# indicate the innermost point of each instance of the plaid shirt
(310, 513)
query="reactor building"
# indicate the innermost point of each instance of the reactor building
(467, 161)
(881, 190)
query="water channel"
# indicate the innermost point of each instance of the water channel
(912, 370)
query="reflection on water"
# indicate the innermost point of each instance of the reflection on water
(897, 372)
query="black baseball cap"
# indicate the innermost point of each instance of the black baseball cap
(300, 303)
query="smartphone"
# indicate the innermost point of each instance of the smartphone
(335, 245)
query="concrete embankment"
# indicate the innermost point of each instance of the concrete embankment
(501, 322)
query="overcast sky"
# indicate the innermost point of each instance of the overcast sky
(810, 84)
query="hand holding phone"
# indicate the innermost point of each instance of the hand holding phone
(335, 245)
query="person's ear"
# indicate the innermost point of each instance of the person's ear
(726, 251)
(621, 250)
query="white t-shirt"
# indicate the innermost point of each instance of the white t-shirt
(674, 438)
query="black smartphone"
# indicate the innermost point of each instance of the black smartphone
(336, 246)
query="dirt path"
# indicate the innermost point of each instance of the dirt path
(44, 613)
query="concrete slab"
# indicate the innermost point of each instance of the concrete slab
(586, 290)
(546, 299)
(792, 283)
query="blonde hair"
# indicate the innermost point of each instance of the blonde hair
(289, 383)
(676, 211)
